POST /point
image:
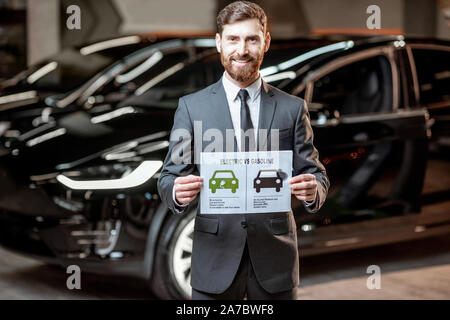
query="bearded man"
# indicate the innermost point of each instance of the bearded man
(244, 255)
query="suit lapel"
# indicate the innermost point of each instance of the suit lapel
(221, 109)
(266, 112)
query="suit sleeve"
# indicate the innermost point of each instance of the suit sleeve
(179, 160)
(306, 158)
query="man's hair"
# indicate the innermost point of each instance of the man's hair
(238, 11)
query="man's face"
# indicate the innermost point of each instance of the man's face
(242, 46)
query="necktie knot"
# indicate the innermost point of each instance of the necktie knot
(243, 94)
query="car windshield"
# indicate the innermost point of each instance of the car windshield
(268, 174)
(130, 72)
(72, 67)
(223, 175)
(68, 70)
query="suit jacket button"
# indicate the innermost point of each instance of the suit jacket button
(244, 224)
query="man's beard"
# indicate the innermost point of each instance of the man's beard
(244, 73)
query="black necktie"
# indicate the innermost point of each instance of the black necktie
(246, 123)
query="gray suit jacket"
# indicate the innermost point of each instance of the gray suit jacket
(219, 240)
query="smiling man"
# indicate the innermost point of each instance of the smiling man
(238, 255)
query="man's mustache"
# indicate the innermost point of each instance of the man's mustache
(246, 58)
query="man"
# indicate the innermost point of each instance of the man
(238, 255)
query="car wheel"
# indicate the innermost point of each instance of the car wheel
(233, 190)
(258, 189)
(278, 189)
(213, 190)
(172, 274)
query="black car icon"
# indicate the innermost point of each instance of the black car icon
(268, 178)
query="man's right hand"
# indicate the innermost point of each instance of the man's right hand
(187, 188)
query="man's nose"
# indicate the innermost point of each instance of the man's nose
(242, 49)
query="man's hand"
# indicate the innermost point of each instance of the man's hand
(304, 187)
(187, 188)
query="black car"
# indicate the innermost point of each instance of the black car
(80, 186)
(268, 178)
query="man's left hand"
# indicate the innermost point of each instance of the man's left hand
(304, 187)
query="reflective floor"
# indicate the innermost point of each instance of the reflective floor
(417, 269)
(412, 270)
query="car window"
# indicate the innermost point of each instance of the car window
(223, 175)
(433, 72)
(268, 174)
(363, 86)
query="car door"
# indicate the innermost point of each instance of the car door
(374, 151)
(430, 64)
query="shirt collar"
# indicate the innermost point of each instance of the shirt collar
(232, 90)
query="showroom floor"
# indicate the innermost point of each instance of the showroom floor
(412, 270)
(417, 269)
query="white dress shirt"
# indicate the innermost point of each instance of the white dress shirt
(234, 104)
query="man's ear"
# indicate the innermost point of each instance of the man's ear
(218, 42)
(267, 42)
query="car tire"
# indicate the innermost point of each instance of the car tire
(258, 189)
(172, 255)
(278, 189)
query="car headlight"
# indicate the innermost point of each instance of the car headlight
(258, 181)
(137, 177)
(213, 182)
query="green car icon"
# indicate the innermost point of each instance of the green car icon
(223, 179)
